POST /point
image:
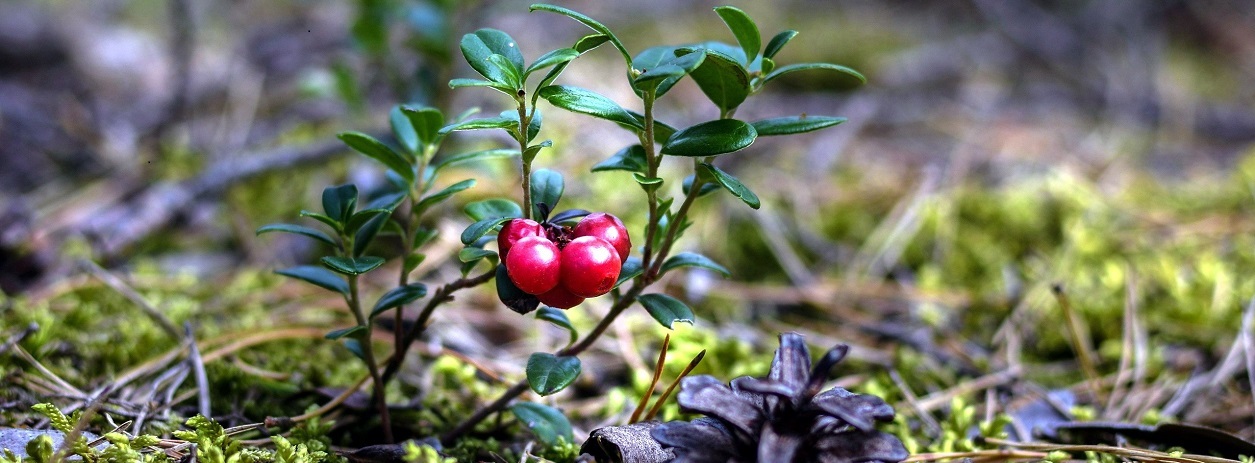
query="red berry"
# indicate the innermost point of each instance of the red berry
(590, 266)
(533, 264)
(559, 298)
(515, 230)
(608, 228)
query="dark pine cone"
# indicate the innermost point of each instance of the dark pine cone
(782, 418)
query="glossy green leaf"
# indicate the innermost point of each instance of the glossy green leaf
(583, 45)
(710, 138)
(426, 122)
(412, 261)
(437, 197)
(399, 296)
(707, 187)
(530, 153)
(463, 82)
(548, 373)
(366, 233)
(559, 318)
(317, 276)
(766, 65)
(481, 228)
(403, 131)
(479, 46)
(552, 58)
(547, 187)
(569, 215)
(724, 80)
(631, 159)
(647, 182)
(491, 208)
(473, 254)
(692, 259)
(666, 309)
(480, 124)
(782, 70)
(778, 42)
(584, 101)
(386, 201)
(731, 184)
(378, 151)
(423, 236)
(743, 28)
(338, 202)
(360, 218)
(587, 21)
(664, 75)
(511, 77)
(794, 124)
(355, 346)
(548, 424)
(352, 331)
(513, 297)
(299, 230)
(632, 268)
(330, 222)
(464, 158)
(352, 265)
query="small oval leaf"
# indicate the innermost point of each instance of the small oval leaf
(547, 187)
(552, 58)
(666, 309)
(403, 131)
(692, 259)
(399, 296)
(352, 331)
(426, 122)
(463, 158)
(743, 28)
(776, 43)
(481, 228)
(632, 268)
(559, 318)
(710, 138)
(478, 46)
(548, 373)
(631, 159)
(493, 208)
(547, 423)
(378, 151)
(723, 80)
(473, 254)
(352, 265)
(299, 230)
(480, 124)
(338, 202)
(437, 197)
(317, 276)
(732, 184)
(782, 70)
(585, 101)
(794, 124)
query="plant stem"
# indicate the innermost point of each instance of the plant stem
(653, 162)
(442, 295)
(369, 353)
(525, 120)
(673, 228)
(407, 242)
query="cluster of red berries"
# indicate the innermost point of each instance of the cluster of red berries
(562, 265)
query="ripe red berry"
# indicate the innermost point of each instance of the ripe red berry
(559, 298)
(515, 230)
(533, 264)
(608, 228)
(590, 266)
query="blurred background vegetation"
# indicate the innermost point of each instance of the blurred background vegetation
(999, 149)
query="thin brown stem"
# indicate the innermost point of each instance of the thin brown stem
(524, 121)
(442, 295)
(368, 353)
(652, 162)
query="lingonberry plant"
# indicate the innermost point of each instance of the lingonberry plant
(558, 258)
